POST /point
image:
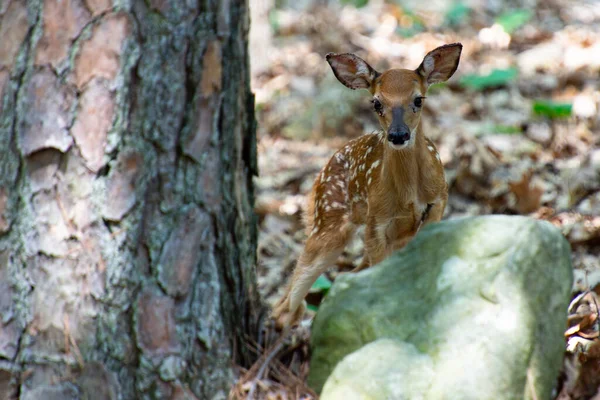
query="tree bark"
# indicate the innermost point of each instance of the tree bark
(127, 232)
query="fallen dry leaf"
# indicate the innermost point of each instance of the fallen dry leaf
(528, 196)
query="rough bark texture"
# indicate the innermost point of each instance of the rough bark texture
(127, 236)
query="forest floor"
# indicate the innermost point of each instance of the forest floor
(517, 129)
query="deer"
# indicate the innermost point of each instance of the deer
(391, 181)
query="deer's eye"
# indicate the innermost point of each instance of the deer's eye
(377, 106)
(419, 102)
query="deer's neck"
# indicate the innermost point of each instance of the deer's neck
(401, 168)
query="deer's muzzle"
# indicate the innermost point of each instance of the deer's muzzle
(398, 132)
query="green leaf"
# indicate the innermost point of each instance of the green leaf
(274, 20)
(497, 77)
(437, 87)
(508, 129)
(410, 23)
(513, 20)
(356, 3)
(312, 307)
(552, 109)
(415, 28)
(457, 14)
(322, 284)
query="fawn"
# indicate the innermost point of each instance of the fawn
(392, 181)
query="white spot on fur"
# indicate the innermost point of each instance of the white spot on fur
(431, 148)
(335, 204)
(327, 208)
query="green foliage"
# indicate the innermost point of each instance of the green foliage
(356, 3)
(552, 109)
(412, 31)
(312, 307)
(489, 128)
(457, 14)
(274, 20)
(322, 284)
(513, 20)
(437, 87)
(508, 129)
(497, 77)
(416, 25)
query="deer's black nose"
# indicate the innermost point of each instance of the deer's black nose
(399, 136)
(398, 132)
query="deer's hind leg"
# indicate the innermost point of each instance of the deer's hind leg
(321, 250)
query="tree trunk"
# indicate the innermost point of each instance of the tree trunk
(127, 235)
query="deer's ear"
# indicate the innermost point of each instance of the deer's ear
(440, 64)
(352, 70)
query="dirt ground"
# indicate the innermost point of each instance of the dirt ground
(517, 129)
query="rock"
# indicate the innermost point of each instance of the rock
(474, 308)
(366, 365)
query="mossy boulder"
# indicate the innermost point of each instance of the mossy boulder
(473, 308)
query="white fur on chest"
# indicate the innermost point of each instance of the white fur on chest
(420, 207)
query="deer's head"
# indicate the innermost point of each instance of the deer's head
(398, 94)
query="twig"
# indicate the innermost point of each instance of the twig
(265, 363)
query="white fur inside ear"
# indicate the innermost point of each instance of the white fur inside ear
(344, 70)
(362, 69)
(428, 64)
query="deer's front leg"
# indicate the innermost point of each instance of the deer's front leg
(383, 236)
(374, 246)
(402, 229)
